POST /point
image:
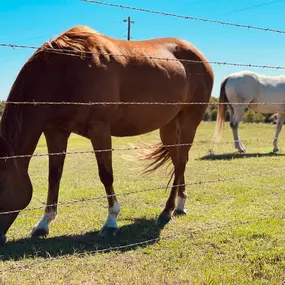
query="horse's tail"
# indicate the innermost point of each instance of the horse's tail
(221, 111)
(160, 156)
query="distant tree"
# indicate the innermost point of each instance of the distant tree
(213, 115)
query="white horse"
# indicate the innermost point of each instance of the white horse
(249, 87)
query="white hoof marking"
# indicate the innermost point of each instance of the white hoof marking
(43, 224)
(180, 204)
(112, 216)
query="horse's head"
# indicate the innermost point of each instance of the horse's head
(15, 189)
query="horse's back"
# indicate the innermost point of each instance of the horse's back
(274, 85)
(272, 90)
(172, 55)
(257, 88)
(149, 71)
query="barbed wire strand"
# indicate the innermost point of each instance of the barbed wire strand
(219, 180)
(35, 103)
(146, 242)
(132, 148)
(185, 17)
(83, 53)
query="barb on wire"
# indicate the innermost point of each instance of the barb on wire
(188, 232)
(219, 180)
(188, 61)
(185, 17)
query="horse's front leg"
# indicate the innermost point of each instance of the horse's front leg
(279, 125)
(56, 142)
(100, 136)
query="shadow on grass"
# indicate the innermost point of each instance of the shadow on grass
(139, 231)
(230, 156)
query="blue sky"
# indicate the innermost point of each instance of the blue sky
(31, 22)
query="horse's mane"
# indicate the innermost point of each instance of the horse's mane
(12, 116)
(79, 39)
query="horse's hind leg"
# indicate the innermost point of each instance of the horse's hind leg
(56, 142)
(279, 125)
(182, 196)
(236, 115)
(169, 135)
(179, 131)
(100, 136)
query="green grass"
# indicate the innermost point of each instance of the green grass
(251, 253)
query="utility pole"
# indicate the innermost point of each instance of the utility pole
(129, 27)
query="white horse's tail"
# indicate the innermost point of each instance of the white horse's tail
(221, 111)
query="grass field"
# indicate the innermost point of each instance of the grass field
(214, 244)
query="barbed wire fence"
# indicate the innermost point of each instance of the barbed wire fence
(219, 180)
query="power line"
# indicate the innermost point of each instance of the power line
(185, 17)
(251, 7)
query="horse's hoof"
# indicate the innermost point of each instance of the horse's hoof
(39, 233)
(179, 212)
(2, 240)
(109, 232)
(162, 220)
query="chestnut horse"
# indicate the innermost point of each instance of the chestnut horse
(82, 65)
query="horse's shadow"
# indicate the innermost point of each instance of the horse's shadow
(139, 231)
(231, 156)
